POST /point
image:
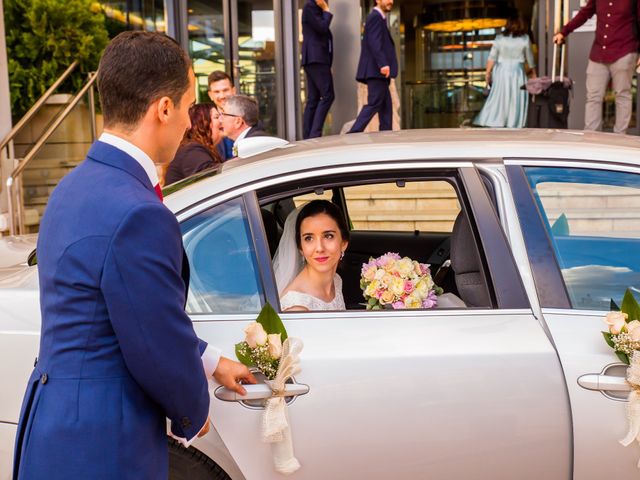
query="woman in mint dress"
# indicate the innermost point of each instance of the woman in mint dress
(506, 105)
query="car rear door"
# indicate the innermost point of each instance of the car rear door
(581, 224)
(459, 393)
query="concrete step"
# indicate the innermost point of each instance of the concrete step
(44, 175)
(40, 163)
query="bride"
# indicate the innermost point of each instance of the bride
(313, 243)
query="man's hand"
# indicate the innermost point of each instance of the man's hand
(229, 374)
(205, 429)
(558, 38)
(323, 5)
(386, 71)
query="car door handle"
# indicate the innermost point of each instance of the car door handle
(260, 391)
(594, 381)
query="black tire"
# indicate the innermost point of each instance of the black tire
(191, 464)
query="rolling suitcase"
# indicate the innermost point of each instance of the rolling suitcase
(549, 98)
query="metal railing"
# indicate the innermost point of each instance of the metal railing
(15, 207)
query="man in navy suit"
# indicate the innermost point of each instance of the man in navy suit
(118, 354)
(317, 56)
(377, 66)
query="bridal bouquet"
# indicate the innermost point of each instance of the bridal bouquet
(267, 348)
(398, 282)
(624, 337)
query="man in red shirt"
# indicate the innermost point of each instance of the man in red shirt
(614, 55)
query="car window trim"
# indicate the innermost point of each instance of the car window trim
(504, 275)
(547, 276)
(261, 248)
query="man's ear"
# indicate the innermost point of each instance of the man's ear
(210, 95)
(164, 108)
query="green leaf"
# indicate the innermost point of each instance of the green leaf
(271, 321)
(242, 358)
(623, 357)
(607, 338)
(630, 306)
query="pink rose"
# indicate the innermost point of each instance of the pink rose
(408, 286)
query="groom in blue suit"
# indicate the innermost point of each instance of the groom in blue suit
(377, 66)
(118, 354)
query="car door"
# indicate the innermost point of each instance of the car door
(581, 224)
(460, 393)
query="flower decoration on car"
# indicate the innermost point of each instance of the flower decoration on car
(624, 337)
(268, 348)
(391, 281)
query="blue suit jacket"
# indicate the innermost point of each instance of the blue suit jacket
(317, 40)
(118, 354)
(377, 49)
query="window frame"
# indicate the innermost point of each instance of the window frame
(503, 279)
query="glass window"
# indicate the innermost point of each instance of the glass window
(427, 206)
(224, 273)
(593, 220)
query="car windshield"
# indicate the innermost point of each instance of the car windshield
(185, 182)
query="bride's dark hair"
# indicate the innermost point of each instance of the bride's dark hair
(316, 207)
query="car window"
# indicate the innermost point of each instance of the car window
(224, 274)
(593, 220)
(426, 206)
(413, 218)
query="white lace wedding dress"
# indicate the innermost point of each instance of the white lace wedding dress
(293, 298)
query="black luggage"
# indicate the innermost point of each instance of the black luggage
(549, 99)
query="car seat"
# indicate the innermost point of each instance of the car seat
(466, 265)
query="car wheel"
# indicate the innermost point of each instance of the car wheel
(191, 464)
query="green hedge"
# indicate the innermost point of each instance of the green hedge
(43, 38)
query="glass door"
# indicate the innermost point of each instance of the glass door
(253, 54)
(238, 37)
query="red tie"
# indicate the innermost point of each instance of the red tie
(158, 190)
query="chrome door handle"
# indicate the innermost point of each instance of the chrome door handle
(260, 391)
(594, 381)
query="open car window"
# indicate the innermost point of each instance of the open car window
(417, 218)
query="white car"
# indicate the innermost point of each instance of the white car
(541, 230)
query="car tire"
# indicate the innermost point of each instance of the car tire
(191, 464)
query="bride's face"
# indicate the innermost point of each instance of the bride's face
(321, 242)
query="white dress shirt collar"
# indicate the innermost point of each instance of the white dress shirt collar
(136, 153)
(241, 136)
(380, 12)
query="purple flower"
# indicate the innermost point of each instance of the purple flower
(399, 305)
(431, 300)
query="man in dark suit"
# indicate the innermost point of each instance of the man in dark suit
(240, 119)
(377, 66)
(118, 354)
(317, 56)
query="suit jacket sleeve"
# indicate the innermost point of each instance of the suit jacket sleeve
(318, 21)
(374, 40)
(144, 293)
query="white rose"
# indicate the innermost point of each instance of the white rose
(275, 345)
(379, 274)
(616, 321)
(255, 335)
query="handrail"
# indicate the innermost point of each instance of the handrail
(38, 145)
(36, 106)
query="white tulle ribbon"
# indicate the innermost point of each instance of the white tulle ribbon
(275, 421)
(633, 406)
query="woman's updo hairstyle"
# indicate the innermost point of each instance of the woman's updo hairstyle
(316, 207)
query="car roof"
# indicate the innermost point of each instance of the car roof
(308, 156)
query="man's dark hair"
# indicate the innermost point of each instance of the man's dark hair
(136, 69)
(218, 75)
(243, 106)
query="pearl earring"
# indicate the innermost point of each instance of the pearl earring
(342, 255)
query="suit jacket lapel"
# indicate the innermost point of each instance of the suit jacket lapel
(110, 155)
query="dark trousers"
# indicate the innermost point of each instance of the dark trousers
(319, 99)
(378, 101)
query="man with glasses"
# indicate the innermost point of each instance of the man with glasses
(240, 119)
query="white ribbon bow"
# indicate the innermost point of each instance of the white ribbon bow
(275, 421)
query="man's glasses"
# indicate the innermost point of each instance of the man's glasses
(223, 114)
